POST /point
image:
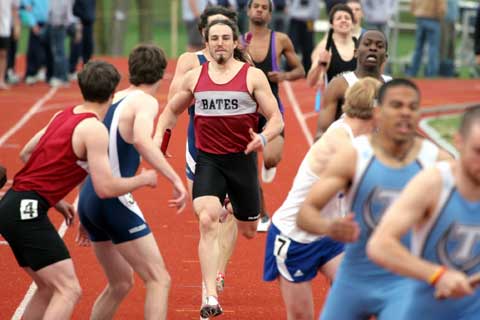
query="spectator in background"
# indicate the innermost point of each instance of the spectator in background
(83, 47)
(6, 8)
(302, 14)
(11, 77)
(279, 19)
(242, 16)
(58, 20)
(477, 36)
(191, 10)
(428, 15)
(341, 55)
(357, 10)
(447, 40)
(377, 14)
(34, 14)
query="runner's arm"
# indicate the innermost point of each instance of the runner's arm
(267, 104)
(409, 210)
(94, 136)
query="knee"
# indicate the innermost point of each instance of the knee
(160, 276)
(249, 232)
(72, 290)
(123, 287)
(206, 221)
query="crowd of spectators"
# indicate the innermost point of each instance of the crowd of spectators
(50, 23)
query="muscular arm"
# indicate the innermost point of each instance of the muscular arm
(414, 204)
(337, 175)
(32, 143)
(297, 71)
(185, 63)
(316, 70)
(94, 136)
(176, 105)
(142, 137)
(267, 104)
(333, 94)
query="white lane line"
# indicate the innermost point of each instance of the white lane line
(31, 290)
(27, 116)
(30, 113)
(309, 115)
(298, 112)
(435, 136)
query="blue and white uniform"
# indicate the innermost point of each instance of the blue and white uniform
(115, 219)
(362, 288)
(191, 150)
(290, 251)
(451, 237)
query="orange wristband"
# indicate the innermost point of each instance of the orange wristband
(437, 275)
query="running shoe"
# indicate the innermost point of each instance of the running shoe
(211, 308)
(264, 223)
(268, 174)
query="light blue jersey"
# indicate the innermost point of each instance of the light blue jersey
(362, 288)
(116, 219)
(451, 238)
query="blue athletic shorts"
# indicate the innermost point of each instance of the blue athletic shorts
(295, 261)
(361, 299)
(116, 219)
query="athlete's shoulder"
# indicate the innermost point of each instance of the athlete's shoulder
(187, 61)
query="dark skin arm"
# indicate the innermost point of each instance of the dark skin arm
(333, 94)
(287, 50)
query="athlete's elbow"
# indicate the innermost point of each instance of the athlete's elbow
(375, 248)
(103, 190)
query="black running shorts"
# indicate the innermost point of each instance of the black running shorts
(234, 174)
(25, 226)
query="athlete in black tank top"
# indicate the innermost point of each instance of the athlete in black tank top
(338, 65)
(267, 65)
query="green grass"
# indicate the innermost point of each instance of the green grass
(446, 126)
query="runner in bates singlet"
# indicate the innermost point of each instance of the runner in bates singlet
(228, 94)
(186, 62)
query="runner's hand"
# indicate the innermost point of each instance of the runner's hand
(276, 76)
(453, 284)
(344, 229)
(67, 210)
(179, 199)
(82, 236)
(150, 177)
(256, 143)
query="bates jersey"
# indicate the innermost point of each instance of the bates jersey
(53, 169)
(224, 113)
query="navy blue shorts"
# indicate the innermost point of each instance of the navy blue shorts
(115, 219)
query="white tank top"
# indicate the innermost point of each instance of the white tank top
(352, 78)
(285, 217)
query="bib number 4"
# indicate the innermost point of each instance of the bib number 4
(28, 209)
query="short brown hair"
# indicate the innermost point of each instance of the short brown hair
(361, 98)
(98, 81)
(146, 64)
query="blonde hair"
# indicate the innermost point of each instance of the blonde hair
(361, 98)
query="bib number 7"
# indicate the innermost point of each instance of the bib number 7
(281, 246)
